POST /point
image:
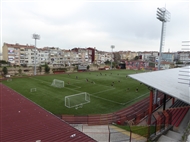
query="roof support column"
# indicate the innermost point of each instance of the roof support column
(150, 111)
(173, 100)
(150, 106)
(164, 102)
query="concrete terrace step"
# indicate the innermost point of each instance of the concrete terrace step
(174, 135)
(164, 138)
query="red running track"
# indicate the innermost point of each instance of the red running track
(23, 121)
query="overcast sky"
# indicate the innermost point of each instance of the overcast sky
(67, 24)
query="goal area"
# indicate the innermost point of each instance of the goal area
(77, 100)
(58, 83)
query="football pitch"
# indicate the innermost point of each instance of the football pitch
(109, 91)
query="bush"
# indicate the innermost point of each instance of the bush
(5, 71)
(47, 68)
(19, 71)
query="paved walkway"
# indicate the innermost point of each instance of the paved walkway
(134, 137)
(105, 133)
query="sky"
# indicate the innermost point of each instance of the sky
(128, 25)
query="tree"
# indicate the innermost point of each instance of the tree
(136, 58)
(19, 71)
(3, 62)
(5, 71)
(107, 62)
(88, 67)
(117, 58)
(40, 69)
(47, 68)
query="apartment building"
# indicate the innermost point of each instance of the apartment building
(83, 55)
(184, 56)
(18, 54)
(102, 56)
(146, 55)
(168, 57)
(164, 65)
(127, 55)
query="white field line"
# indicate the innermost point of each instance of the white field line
(136, 98)
(50, 84)
(76, 80)
(40, 80)
(107, 100)
(84, 80)
(98, 93)
(89, 94)
(77, 87)
(103, 91)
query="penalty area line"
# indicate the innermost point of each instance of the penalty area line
(107, 100)
(136, 98)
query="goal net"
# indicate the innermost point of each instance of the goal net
(77, 100)
(58, 83)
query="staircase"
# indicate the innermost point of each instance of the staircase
(171, 136)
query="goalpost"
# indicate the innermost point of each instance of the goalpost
(9, 79)
(77, 100)
(33, 89)
(58, 83)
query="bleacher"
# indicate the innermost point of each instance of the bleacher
(179, 103)
(178, 111)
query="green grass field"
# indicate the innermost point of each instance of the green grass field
(104, 98)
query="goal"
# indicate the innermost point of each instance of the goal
(77, 100)
(9, 79)
(58, 83)
(33, 90)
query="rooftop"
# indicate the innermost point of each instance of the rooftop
(174, 82)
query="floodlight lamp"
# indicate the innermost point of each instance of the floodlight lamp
(36, 36)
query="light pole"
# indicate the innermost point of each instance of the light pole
(35, 36)
(112, 47)
(164, 16)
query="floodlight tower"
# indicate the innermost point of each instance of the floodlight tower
(164, 16)
(35, 36)
(112, 47)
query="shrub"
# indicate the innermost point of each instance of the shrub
(19, 71)
(47, 68)
(5, 71)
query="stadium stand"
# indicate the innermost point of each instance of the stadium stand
(178, 103)
(177, 115)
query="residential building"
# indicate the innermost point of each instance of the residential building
(164, 65)
(184, 56)
(168, 57)
(18, 54)
(144, 56)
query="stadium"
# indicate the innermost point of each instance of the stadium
(95, 106)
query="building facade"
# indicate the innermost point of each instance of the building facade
(18, 54)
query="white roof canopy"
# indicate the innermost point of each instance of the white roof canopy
(174, 82)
